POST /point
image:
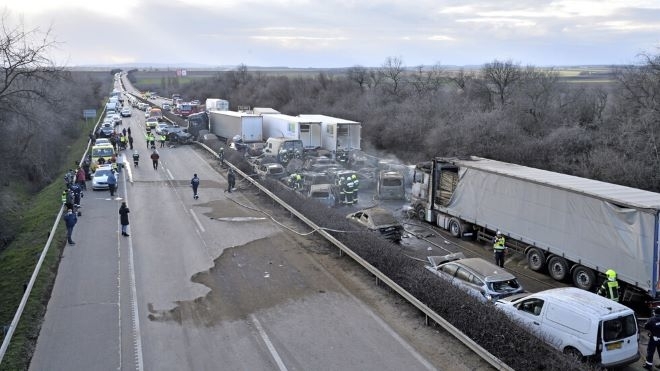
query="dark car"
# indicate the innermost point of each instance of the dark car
(319, 163)
(179, 136)
(106, 130)
(380, 220)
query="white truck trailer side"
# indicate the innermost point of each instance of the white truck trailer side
(576, 227)
(214, 104)
(280, 125)
(337, 134)
(229, 124)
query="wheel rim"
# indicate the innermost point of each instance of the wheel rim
(455, 228)
(420, 213)
(558, 269)
(535, 259)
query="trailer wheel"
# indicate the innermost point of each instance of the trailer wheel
(420, 212)
(535, 259)
(583, 277)
(455, 228)
(558, 268)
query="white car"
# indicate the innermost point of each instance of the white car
(126, 112)
(100, 177)
(159, 128)
(100, 141)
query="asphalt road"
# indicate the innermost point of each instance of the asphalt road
(213, 284)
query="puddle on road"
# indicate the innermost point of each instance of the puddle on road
(244, 280)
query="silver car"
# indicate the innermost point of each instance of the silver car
(478, 277)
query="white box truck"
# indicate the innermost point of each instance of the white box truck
(228, 125)
(213, 104)
(280, 125)
(338, 136)
(575, 227)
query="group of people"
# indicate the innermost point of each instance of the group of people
(151, 139)
(348, 189)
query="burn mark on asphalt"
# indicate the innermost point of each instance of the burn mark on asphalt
(245, 279)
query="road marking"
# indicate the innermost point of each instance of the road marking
(199, 224)
(270, 346)
(169, 174)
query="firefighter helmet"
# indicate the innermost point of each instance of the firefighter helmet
(611, 274)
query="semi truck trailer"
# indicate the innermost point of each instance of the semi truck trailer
(229, 124)
(575, 228)
(280, 125)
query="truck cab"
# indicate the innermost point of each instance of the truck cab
(284, 149)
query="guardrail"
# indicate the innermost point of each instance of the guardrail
(428, 312)
(28, 290)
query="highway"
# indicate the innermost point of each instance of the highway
(213, 284)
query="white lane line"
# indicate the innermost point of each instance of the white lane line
(199, 224)
(270, 346)
(137, 337)
(169, 174)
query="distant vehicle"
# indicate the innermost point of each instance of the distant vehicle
(101, 141)
(321, 193)
(152, 122)
(186, 109)
(478, 277)
(157, 113)
(390, 186)
(166, 106)
(104, 151)
(159, 128)
(213, 104)
(269, 170)
(142, 106)
(379, 220)
(106, 130)
(126, 112)
(578, 322)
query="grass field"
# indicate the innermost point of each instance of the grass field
(18, 260)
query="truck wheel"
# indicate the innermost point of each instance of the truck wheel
(535, 259)
(558, 268)
(583, 277)
(455, 228)
(420, 212)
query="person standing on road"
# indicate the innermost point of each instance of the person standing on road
(499, 248)
(610, 287)
(194, 182)
(162, 140)
(231, 180)
(112, 183)
(154, 159)
(123, 218)
(70, 220)
(130, 140)
(653, 326)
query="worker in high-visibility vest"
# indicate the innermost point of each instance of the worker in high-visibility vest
(610, 287)
(499, 248)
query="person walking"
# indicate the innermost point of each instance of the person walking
(653, 326)
(112, 183)
(499, 248)
(123, 218)
(70, 220)
(194, 182)
(154, 159)
(81, 178)
(610, 287)
(130, 141)
(146, 137)
(231, 180)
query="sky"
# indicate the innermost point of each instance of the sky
(342, 33)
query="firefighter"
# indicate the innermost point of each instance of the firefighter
(296, 181)
(342, 190)
(499, 248)
(356, 187)
(653, 326)
(610, 287)
(349, 190)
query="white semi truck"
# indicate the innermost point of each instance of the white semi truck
(228, 125)
(574, 227)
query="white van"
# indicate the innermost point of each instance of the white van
(578, 322)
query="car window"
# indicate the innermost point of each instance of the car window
(450, 269)
(463, 275)
(532, 306)
(504, 286)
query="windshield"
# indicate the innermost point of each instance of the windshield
(504, 286)
(102, 173)
(102, 152)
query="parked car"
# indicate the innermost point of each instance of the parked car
(161, 128)
(166, 107)
(180, 137)
(100, 177)
(126, 112)
(390, 186)
(102, 141)
(380, 220)
(310, 178)
(478, 277)
(578, 322)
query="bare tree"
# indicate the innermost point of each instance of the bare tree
(358, 74)
(427, 80)
(26, 71)
(461, 78)
(500, 76)
(392, 70)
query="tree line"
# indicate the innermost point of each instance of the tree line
(506, 111)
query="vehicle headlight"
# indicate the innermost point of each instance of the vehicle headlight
(488, 296)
